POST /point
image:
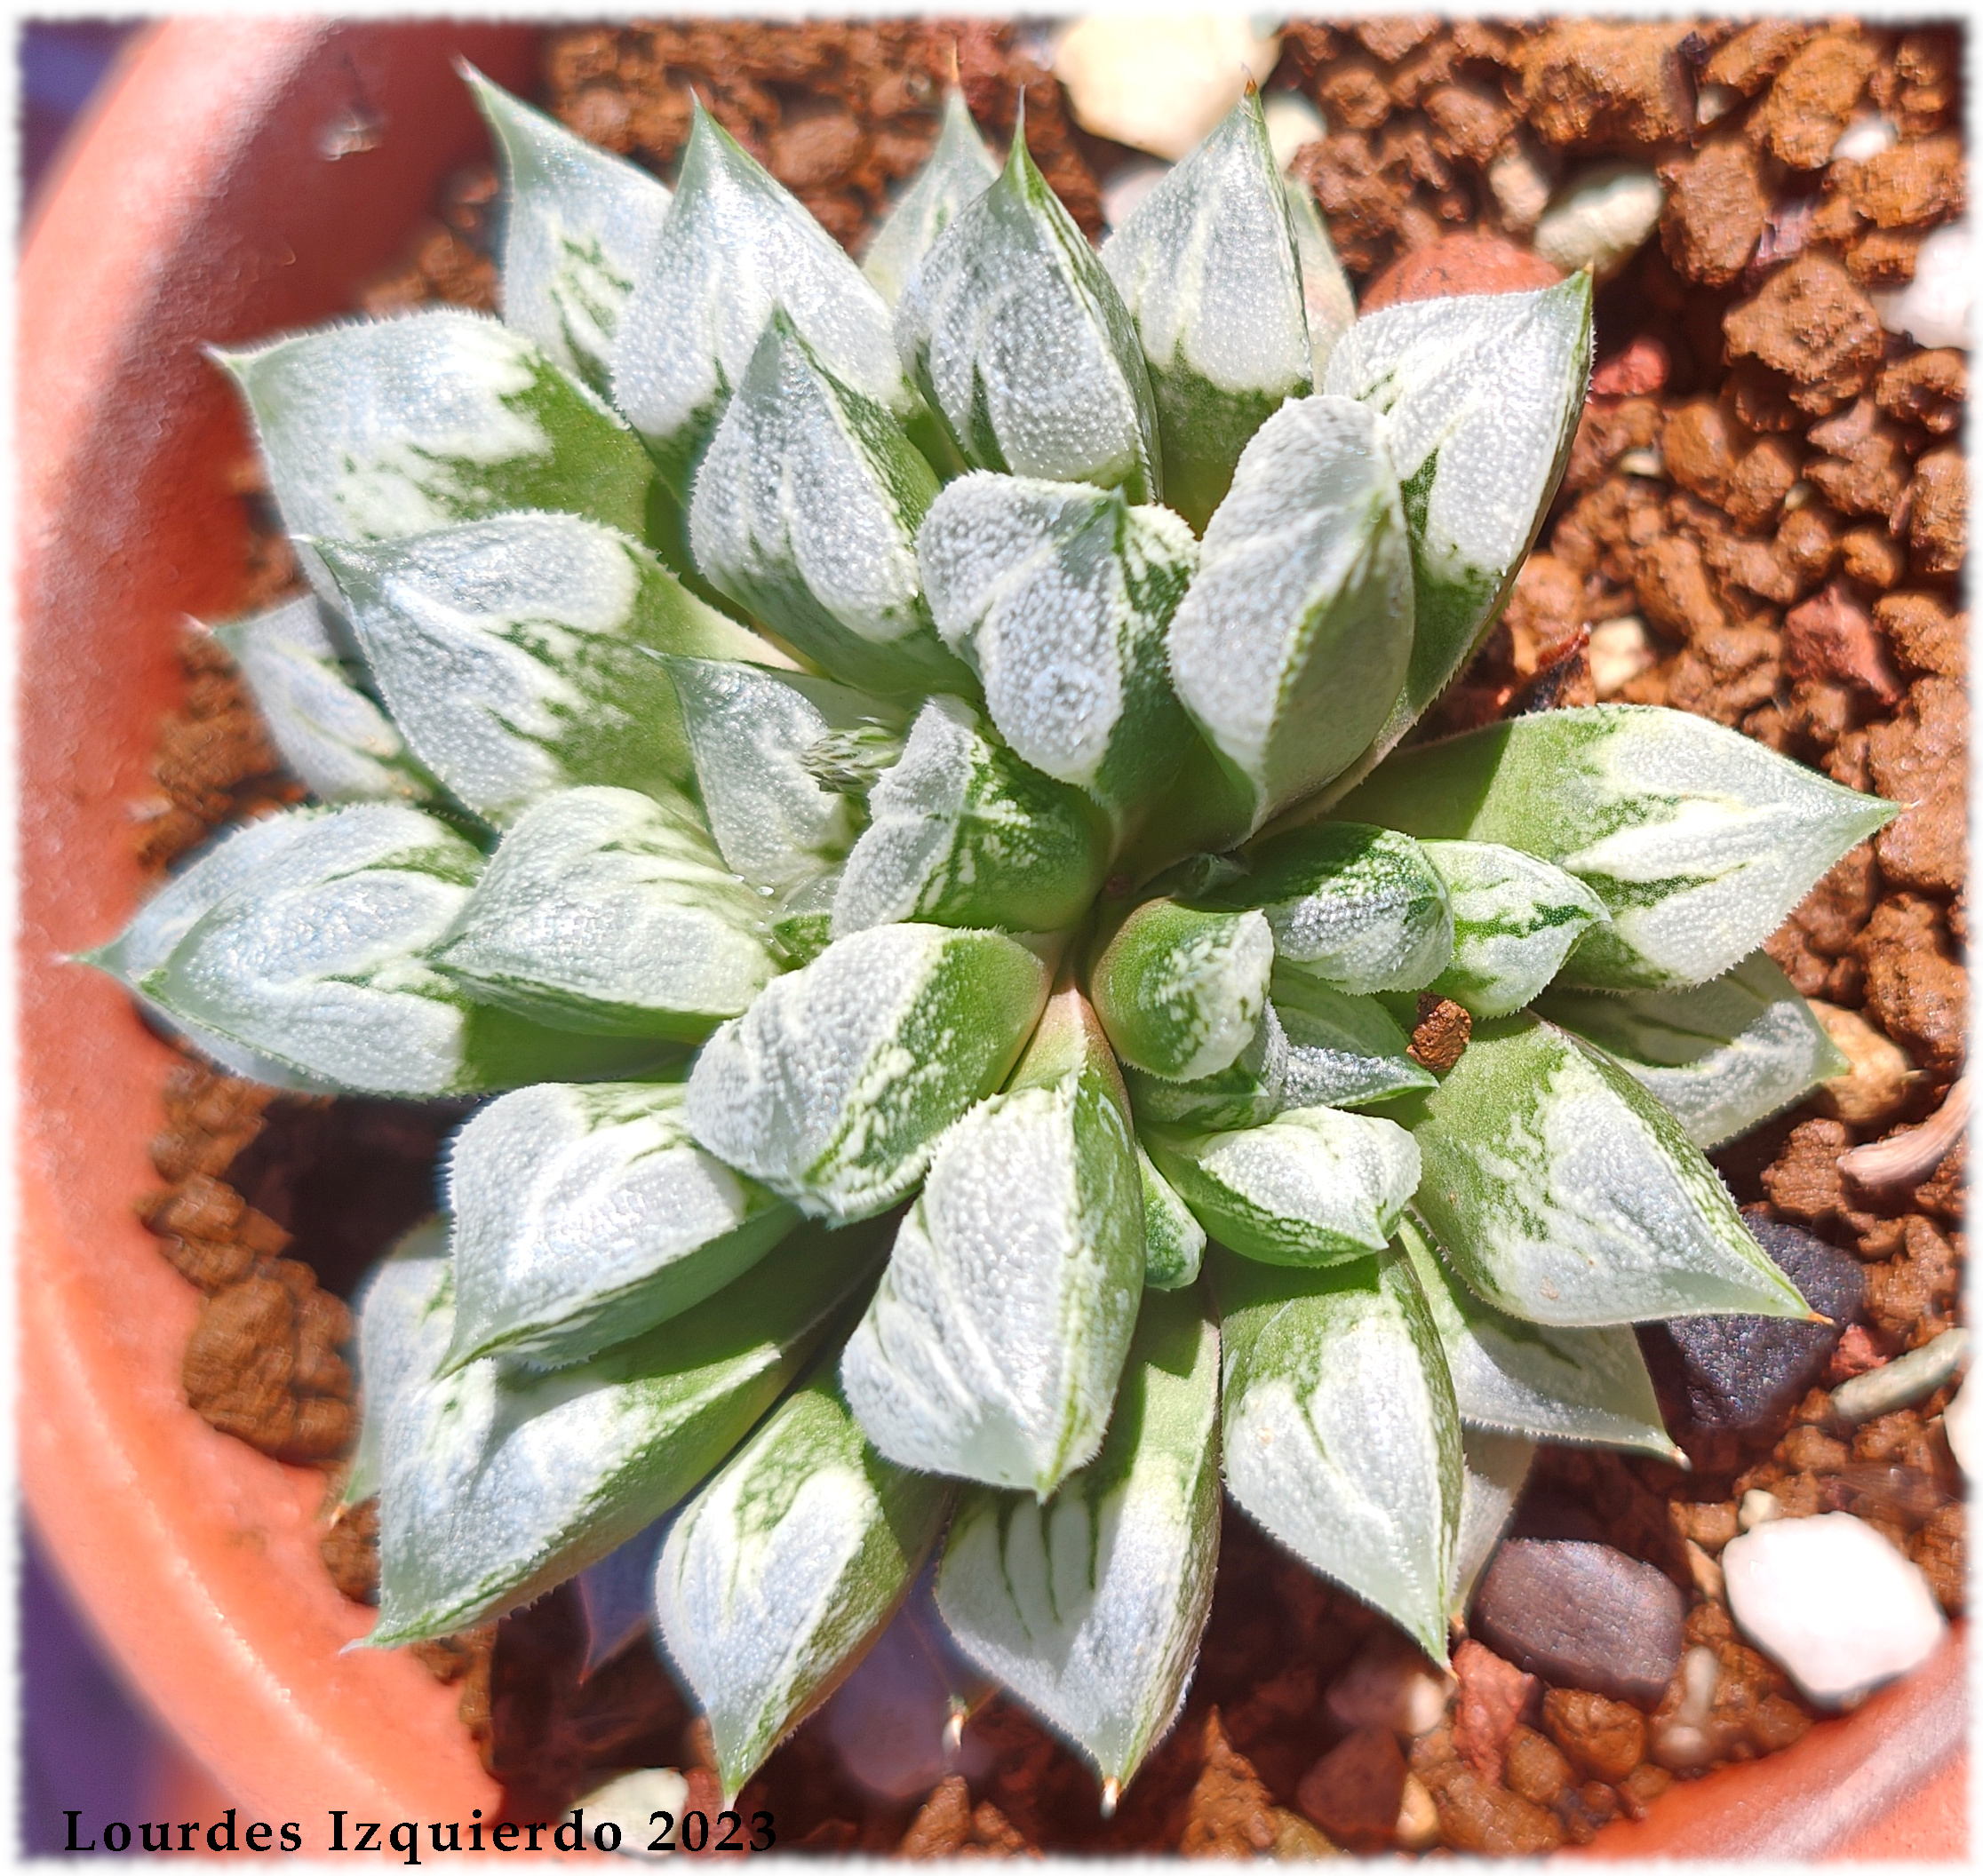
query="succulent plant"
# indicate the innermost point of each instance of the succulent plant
(942, 929)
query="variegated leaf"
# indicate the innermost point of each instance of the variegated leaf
(1313, 1185)
(607, 911)
(803, 919)
(1700, 841)
(1248, 1090)
(1174, 1241)
(785, 1567)
(1343, 1051)
(962, 833)
(1181, 993)
(1021, 344)
(960, 170)
(805, 512)
(1325, 296)
(1088, 1606)
(517, 654)
(1724, 1056)
(1207, 266)
(1497, 1468)
(735, 246)
(405, 1313)
(1544, 1383)
(1515, 919)
(991, 1348)
(337, 741)
(500, 1480)
(586, 1215)
(833, 1086)
(1059, 595)
(1294, 637)
(1565, 1194)
(1340, 1436)
(580, 227)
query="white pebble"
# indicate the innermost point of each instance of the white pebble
(1389, 1683)
(1934, 308)
(1619, 650)
(1959, 1422)
(630, 1801)
(1292, 121)
(1832, 1602)
(1127, 186)
(1713, 102)
(1600, 218)
(1864, 136)
(1757, 1508)
(1682, 1742)
(1519, 178)
(1159, 83)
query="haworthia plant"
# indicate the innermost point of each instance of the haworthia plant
(751, 880)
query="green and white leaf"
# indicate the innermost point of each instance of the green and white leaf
(1174, 1241)
(1313, 1185)
(993, 1348)
(735, 246)
(335, 740)
(1059, 596)
(962, 833)
(1089, 1606)
(785, 1567)
(833, 1086)
(1343, 1051)
(1293, 640)
(1340, 1436)
(1248, 1090)
(1325, 296)
(1497, 1468)
(1700, 841)
(608, 912)
(1724, 1056)
(1589, 1385)
(1564, 1193)
(517, 656)
(1181, 993)
(586, 1215)
(580, 227)
(1515, 919)
(803, 919)
(405, 1313)
(500, 1480)
(1207, 266)
(805, 512)
(1022, 347)
(960, 170)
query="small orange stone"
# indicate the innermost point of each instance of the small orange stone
(1467, 262)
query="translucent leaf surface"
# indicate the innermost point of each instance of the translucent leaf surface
(1325, 296)
(404, 1314)
(1181, 993)
(1343, 1051)
(586, 1215)
(1293, 639)
(1174, 1241)
(785, 1567)
(1021, 344)
(1059, 595)
(991, 1348)
(1515, 919)
(805, 511)
(1724, 1056)
(1089, 1606)
(735, 246)
(1699, 840)
(834, 1086)
(1207, 266)
(1313, 1185)
(1248, 1090)
(607, 911)
(1565, 1194)
(960, 170)
(1544, 1383)
(516, 655)
(962, 833)
(579, 228)
(500, 1480)
(1340, 1432)
(1497, 1468)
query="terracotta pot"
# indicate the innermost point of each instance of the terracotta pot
(203, 208)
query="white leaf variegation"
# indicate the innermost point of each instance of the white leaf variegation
(1089, 1605)
(586, 1215)
(1341, 1440)
(735, 246)
(992, 1346)
(833, 1086)
(1059, 596)
(1515, 919)
(1565, 1194)
(1207, 265)
(499, 1480)
(1313, 1185)
(1251, 1088)
(1022, 347)
(608, 912)
(1544, 1383)
(1699, 840)
(962, 833)
(518, 655)
(580, 227)
(960, 170)
(1343, 1051)
(1724, 1056)
(1497, 1466)
(783, 1568)
(404, 1315)
(1330, 306)
(1294, 637)
(1174, 1241)
(1182, 992)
